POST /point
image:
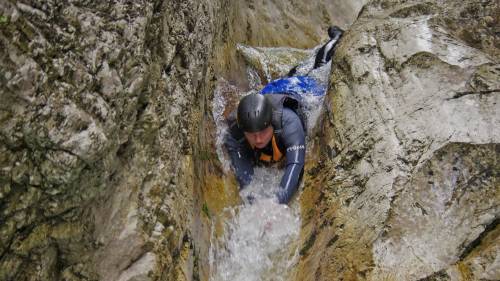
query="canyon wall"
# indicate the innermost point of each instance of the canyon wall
(100, 114)
(407, 181)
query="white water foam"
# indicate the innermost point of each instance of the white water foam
(257, 244)
(218, 106)
(311, 106)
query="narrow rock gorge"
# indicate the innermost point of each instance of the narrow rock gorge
(108, 163)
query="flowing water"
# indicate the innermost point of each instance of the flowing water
(259, 237)
(257, 243)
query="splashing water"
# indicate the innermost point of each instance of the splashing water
(312, 108)
(274, 62)
(225, 97)
(257, 244)
(218, 106)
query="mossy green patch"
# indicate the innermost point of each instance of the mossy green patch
(3, 20)
(205, 210)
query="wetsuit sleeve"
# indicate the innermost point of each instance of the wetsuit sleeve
(294, 142)
(241, 157)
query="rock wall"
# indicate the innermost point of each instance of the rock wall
(407, 181)
(100, 114)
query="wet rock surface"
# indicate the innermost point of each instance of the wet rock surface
(97, 135)
(407, 184)
(108, 168)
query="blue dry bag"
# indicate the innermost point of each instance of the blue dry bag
(295, 86)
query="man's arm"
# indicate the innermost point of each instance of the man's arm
(241, 156)
(295, 144)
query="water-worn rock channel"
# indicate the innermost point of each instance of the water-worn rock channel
(110, 158)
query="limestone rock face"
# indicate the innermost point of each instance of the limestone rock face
(407, 185)
(97, 133)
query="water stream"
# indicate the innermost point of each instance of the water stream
(259, 238)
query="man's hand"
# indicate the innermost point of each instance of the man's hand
(282, 196)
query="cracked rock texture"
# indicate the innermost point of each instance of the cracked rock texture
(407, 184)
(97, 137)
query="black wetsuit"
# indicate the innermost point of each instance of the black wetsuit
(289, 139)
(326, 52)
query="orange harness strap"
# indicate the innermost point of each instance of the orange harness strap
(277, 155)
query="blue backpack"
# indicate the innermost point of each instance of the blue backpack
(295, 86)
(289, 92)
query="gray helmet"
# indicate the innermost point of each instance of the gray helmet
(255, 113)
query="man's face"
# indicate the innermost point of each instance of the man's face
(261, 138)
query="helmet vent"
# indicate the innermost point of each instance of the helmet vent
(254, 113)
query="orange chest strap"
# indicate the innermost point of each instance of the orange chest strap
(277, 155)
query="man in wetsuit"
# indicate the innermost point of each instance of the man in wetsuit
(267, 129)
